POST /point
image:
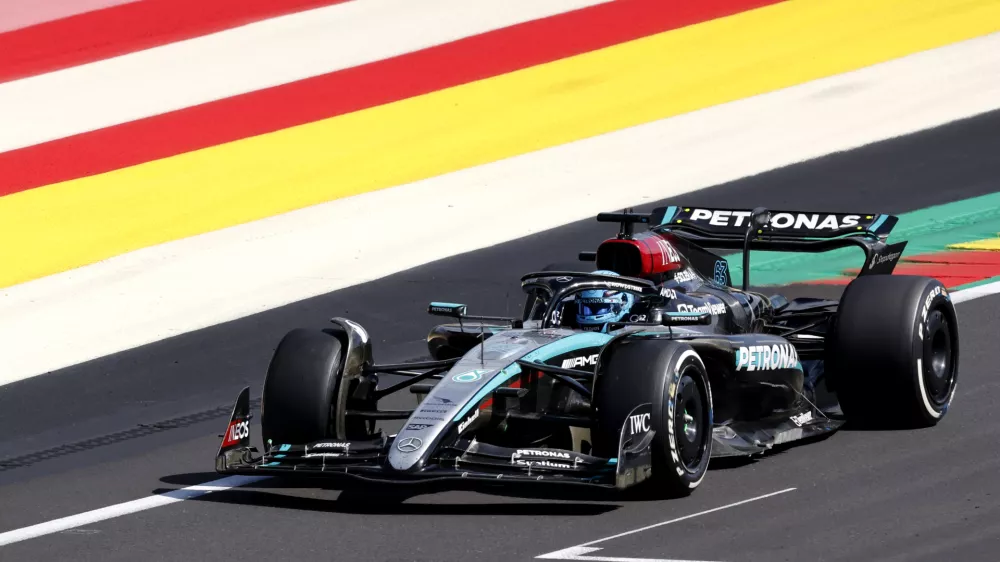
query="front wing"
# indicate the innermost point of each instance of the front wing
(463, 460)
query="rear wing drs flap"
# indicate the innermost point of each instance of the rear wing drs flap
(713, 222)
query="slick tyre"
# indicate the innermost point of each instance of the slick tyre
(299, 387)
(893, 352)
(672, 377)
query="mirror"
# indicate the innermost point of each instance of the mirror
(450, 309)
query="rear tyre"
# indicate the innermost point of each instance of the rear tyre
(893, 351)
(672, 377)
(299, 388)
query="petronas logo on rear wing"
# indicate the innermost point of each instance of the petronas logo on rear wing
(797, 224)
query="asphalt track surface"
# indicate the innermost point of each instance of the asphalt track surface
(145, 421)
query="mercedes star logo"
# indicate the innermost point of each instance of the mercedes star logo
(409, 444)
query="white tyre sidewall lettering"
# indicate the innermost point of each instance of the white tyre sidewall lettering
(933, 412)
(675, 381)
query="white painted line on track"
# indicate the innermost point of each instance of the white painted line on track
(579, 551)
(118, 510)
(975, 292)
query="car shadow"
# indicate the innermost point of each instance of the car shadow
(888, 426)
(391, 499)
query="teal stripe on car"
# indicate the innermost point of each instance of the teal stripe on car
(878, 222)
(565, 345)
(671, 211)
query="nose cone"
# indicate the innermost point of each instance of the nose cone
(407, 452)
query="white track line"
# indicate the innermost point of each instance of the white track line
(244, 59)
(118, 510)
(975, 292)
(580, 553)
(177, 287)
(577, 552)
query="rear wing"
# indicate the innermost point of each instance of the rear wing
(800, 225)
(762, 229)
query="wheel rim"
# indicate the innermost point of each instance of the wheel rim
(689, 423)
(938, 358)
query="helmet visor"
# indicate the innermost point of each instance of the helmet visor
(595, 308)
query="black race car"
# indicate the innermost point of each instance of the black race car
(693, 369)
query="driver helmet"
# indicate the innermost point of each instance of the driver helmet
(596, 307)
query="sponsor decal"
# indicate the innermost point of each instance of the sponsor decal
(433, 418)
(409, 444)
(802, 419)
(623, 286)
(441, 399)
(470, 376)
(806, 221)
(638, 423)
(564, 279)
(766, 357)
(720, 218)
(668, 293)
(543, 453)
(557, 317)
(685, 275)
(580, 361)
(331, 445)
(637, 318)
(713, 309)
(238, 430)
(546, 464)
(879, 260)
(432, 411)
(468, 420)
(417, 426)
(679, 318)
(927, 301)
(668, 252)
(721, 271)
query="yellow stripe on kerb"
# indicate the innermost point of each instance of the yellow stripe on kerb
(57, 227)
(992, 244)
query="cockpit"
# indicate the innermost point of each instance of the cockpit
(586, 301)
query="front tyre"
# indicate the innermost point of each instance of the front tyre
(299, 387)
(672, 377)
(313, 384)
(893, 354)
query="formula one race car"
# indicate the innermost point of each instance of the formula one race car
(640, 371)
